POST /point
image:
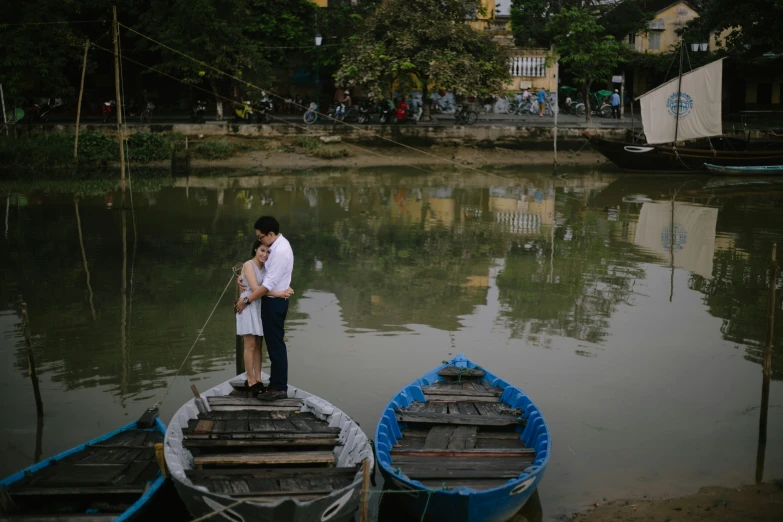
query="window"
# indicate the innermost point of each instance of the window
(654, 41)
(764, 93)
(632, 41)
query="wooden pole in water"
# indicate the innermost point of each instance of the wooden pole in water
(767, 371)
(84, 254)
(31, 360)
(116, 30)
(555, 109)
(240, 345)
(2, 102)
(79, 106)
(364, 510)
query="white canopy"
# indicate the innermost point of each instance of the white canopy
(699, 108)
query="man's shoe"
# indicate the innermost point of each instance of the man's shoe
(273, 395)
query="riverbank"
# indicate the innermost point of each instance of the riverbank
(753, 503)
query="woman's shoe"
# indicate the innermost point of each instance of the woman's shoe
(257, 389)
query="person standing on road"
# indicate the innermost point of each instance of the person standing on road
(541, 101)
(615, 101)
(278, 267)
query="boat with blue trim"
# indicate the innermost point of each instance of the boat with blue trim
(460, 444)
(745, 170)
(111, 477)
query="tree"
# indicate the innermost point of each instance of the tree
(753, 27)
(223, 34)
(585, 48)
(424, 44)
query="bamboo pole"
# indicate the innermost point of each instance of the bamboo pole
(364, 510)
(124, 307)
(31, 360)
(84, 254)
(2, 102)
(79, 106)
(767, 371)
(116, 30)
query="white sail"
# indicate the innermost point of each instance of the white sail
(699, 108)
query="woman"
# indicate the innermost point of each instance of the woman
(249, 319)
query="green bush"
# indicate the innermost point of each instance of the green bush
(219, 149)
(36, 152)
(331, 153)
(96, 147)
(144, 147)
(307, 143)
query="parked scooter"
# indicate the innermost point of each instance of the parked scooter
(244, 112)
(405, 113)
(263, 110)
(385, 111)
(364, 112)
(197, 111)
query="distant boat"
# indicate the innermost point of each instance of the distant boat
(685, 109)
(747, 170)
(112, 477)
(293, 459)
(466, 445)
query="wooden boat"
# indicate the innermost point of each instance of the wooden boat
(725, 151)
(464, 444)
(297, 459)
(112, 477)
(745, 170)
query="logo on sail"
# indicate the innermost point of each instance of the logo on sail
(686, 104)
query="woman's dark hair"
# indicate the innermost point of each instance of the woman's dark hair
(255, 247)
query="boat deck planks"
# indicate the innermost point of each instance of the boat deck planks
(264, 450)
(461, 436)
(112, 474)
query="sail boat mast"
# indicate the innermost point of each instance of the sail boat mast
(679, 93)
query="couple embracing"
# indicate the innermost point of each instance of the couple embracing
(262, 308)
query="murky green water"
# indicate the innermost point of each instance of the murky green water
(640, 341)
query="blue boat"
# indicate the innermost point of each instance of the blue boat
(112, 477)
(749, 170)
(461, 445)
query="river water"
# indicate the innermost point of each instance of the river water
(632, 309)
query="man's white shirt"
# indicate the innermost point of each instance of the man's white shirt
(279, 266)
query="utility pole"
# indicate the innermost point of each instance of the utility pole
(116, 30)
(79, 106)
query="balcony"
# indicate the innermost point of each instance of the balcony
(527, 64)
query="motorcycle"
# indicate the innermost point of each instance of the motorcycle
(364, 113)
(146, 114)
(385, 111)
(106, 109)
(197, 111)
(244, 112)
(263, 111)
(405, 113)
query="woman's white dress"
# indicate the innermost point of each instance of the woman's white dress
(249, 320)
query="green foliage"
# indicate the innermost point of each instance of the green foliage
(36, 152)
(218, 149)
(329, 153)
(96, 147)
(144, 147)
(424, 44)
(585, 48)
(753, 27)
(307, 143)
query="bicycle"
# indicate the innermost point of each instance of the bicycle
(146, 114)
(465, 116)
(311, 114)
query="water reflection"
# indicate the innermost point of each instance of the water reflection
(394, 271)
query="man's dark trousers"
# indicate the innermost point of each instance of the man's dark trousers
(273, 312)
(616, 112)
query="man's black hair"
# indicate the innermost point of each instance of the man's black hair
(267, 224)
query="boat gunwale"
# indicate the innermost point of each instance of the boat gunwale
(538, 466)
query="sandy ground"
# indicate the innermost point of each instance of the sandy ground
(761, 503)
(465, 157)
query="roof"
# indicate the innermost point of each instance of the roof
(658, 6)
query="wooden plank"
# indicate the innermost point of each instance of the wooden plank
(242, 401)
(74, 491)
(467, 408)
(417, 463)
(454, 474)
(234, 426)
(463, 373)
(292, 457)
(324, 431)
(472, 420)
(463, 437)
(204, 426)
(477, 484)
(439, 437)
(499, 443)
(434, 407)
(274, 473)
(219, 426)
(483, 453)
(259, 406)
(207, 443)
(460, 397)
(261, 425)
(284, 493)
(299, 423)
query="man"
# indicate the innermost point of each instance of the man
(541, 101)
(278, 267)
(615, 101)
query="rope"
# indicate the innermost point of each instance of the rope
(209, 515)
(240, 80)
(168, 389)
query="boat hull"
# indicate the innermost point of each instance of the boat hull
(340, 505)
(656, 158)
(769, 170)
(137, 511)
(462, 504)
